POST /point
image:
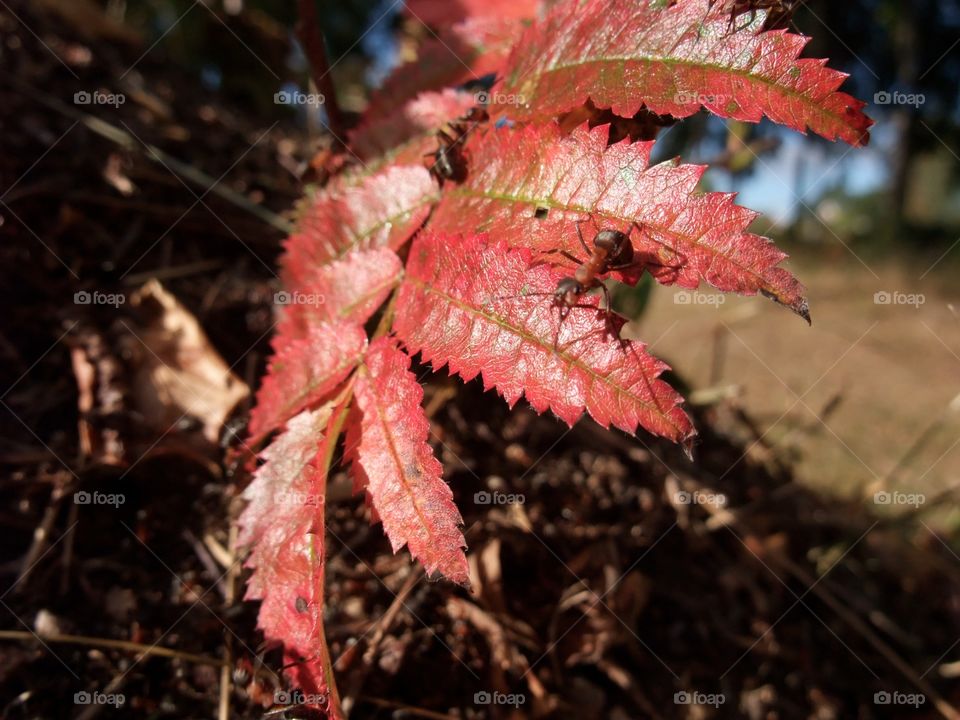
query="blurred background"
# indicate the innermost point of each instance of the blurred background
(147, 180)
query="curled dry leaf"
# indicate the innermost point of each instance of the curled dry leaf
(178, 374)
(101, 395)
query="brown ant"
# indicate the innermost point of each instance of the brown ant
(612, 250)
(448, 160)
(263, 686)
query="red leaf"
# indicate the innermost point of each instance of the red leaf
(283, 524)
(382, 210)
(417, 119)
(348, 290)
(438, 13)
(405, 480)
(625, 54)
(303, 372)
(459, 53)
(478, 308)
(693, 236)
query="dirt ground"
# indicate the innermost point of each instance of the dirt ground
(866, 400)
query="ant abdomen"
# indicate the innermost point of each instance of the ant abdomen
(617, 245)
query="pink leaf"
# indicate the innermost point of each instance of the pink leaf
(675, 60)
(348, 290)
(404, 479)
(439, 13)
(417, 119)
(481, 308)
(382, 210)
(304, 371)
(283, 524)
(517, 176)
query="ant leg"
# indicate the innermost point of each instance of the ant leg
(564, 312)
(568, 256)
(608, 312)
(643, 265)
(583, 244)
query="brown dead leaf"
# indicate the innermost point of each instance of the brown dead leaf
(178, 374)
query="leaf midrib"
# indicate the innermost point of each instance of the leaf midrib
(746, 74)
(534, 340)
(465, 191)
(397, 460)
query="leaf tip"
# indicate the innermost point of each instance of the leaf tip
(800, 305)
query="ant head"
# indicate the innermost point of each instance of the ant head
(567, 292)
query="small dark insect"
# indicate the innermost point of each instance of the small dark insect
(612, 250)
(449, 162)
(301, 605)
(255, 684)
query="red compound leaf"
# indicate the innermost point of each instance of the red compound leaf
(283, 525)
(675, 60)
(530, 187)
(303, 372)
(481, 308)
(404, 479)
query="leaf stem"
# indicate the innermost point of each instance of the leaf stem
(334, 427)
(315, 48)
(386, 320)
